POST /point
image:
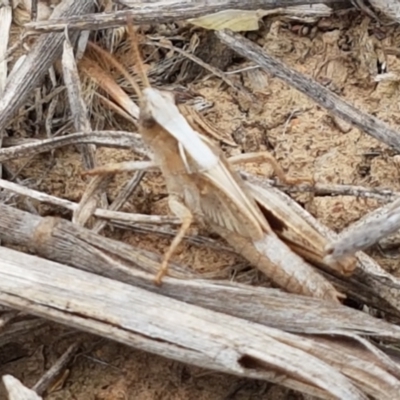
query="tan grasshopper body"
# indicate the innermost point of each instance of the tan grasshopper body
(203, 187)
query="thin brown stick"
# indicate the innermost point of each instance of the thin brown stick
(324, 97)
(322, 189)
(169, 232)
(121, 198)
(20, 328)
(6, 318)
(51, 375)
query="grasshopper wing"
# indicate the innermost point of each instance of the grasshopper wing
(225, 200)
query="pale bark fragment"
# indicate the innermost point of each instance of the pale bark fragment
(17, 391)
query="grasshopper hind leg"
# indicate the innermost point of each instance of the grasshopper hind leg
(186, 217)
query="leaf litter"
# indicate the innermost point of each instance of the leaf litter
(343, 53)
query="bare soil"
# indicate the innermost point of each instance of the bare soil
(343, 53)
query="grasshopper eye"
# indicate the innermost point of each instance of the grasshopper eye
(146, 120)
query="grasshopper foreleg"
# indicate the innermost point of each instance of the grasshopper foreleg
(185, 215)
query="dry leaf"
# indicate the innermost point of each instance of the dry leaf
(235, 20)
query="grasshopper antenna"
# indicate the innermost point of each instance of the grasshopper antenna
(117, 65)
(137, 58)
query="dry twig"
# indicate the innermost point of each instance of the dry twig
(118, 139)
(42, 385)
(366, 232)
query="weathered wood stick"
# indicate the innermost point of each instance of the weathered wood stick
(390, 8)
(161, 12)
(366, 232)
(116, 139)
(324, 97)
(69, 244)
(190, 334)
(20, 328)
(37, 62)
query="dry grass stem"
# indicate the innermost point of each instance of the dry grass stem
(77, 104)
(89, 201)
(320, 189)
(69, 205)
(215, 71)
(121, 198)
(164, 230)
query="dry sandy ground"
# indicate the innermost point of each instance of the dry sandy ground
(342, 54)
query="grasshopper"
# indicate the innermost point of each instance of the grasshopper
(204, 188)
